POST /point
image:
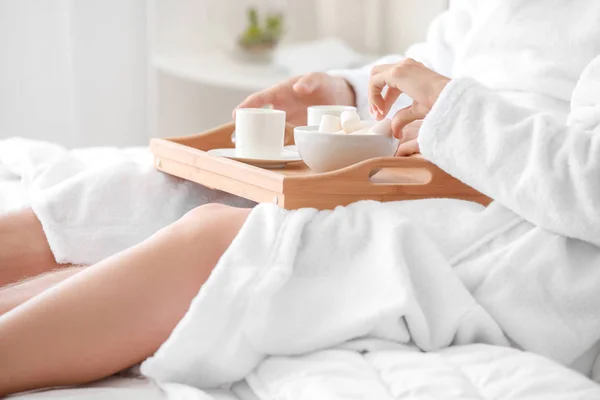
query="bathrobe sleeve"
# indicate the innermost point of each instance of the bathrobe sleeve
(543, 170)
(445, 35)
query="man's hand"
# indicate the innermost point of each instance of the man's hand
(296, 94)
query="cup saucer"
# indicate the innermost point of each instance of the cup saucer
(286, 156)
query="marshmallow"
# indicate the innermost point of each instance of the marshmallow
(330, 124)
(384, 127)
(352, 126)
(363, 131)
(350, 121)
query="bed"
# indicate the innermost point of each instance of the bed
(475, 372)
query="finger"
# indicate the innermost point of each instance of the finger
(376, 69)
(411, 131)
(390, 97)
(408, 148)
(383, 78)
(404, 117)
(377, 84)
(308, 84)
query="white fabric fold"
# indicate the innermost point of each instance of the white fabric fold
(475, 372)
(281, 289)
(547, 173)
(95, 202)
(585, 104)
(529, 51)
(542, 169)
(434, 273)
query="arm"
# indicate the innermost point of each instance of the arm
(546, 172)
(445, 35)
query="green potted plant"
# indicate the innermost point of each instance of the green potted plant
(260, 37)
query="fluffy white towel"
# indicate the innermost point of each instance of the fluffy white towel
(95, 202)
(585, 105)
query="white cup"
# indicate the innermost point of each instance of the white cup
(259, 132)
(315, 113)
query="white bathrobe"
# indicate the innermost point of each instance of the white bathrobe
(530, 51)
(523, 272)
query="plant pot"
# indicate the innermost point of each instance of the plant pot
(261, 33)
(262, 53)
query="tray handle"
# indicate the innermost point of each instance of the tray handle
(366, 169)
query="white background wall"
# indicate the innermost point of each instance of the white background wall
(196, 25)
(78, 72)
(74, 71)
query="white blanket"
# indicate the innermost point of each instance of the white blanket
(475, 372)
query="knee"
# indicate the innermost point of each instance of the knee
(206, 213)
(217, 222)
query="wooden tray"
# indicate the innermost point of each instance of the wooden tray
(296, 186)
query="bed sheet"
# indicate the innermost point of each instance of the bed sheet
(127, 388)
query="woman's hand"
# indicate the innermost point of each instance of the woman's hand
(413, 78)
(409, 144)
(296, 94)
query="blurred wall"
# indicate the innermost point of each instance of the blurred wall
(80, 72)
(74, 71)
(196, 25)
(36, 94)
(184, 106)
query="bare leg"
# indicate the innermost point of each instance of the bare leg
(118, 312)
(16, 294)
(24, 250)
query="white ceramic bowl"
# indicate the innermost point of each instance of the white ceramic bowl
(324, 152)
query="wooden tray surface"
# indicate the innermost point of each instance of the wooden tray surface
(296, 186)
